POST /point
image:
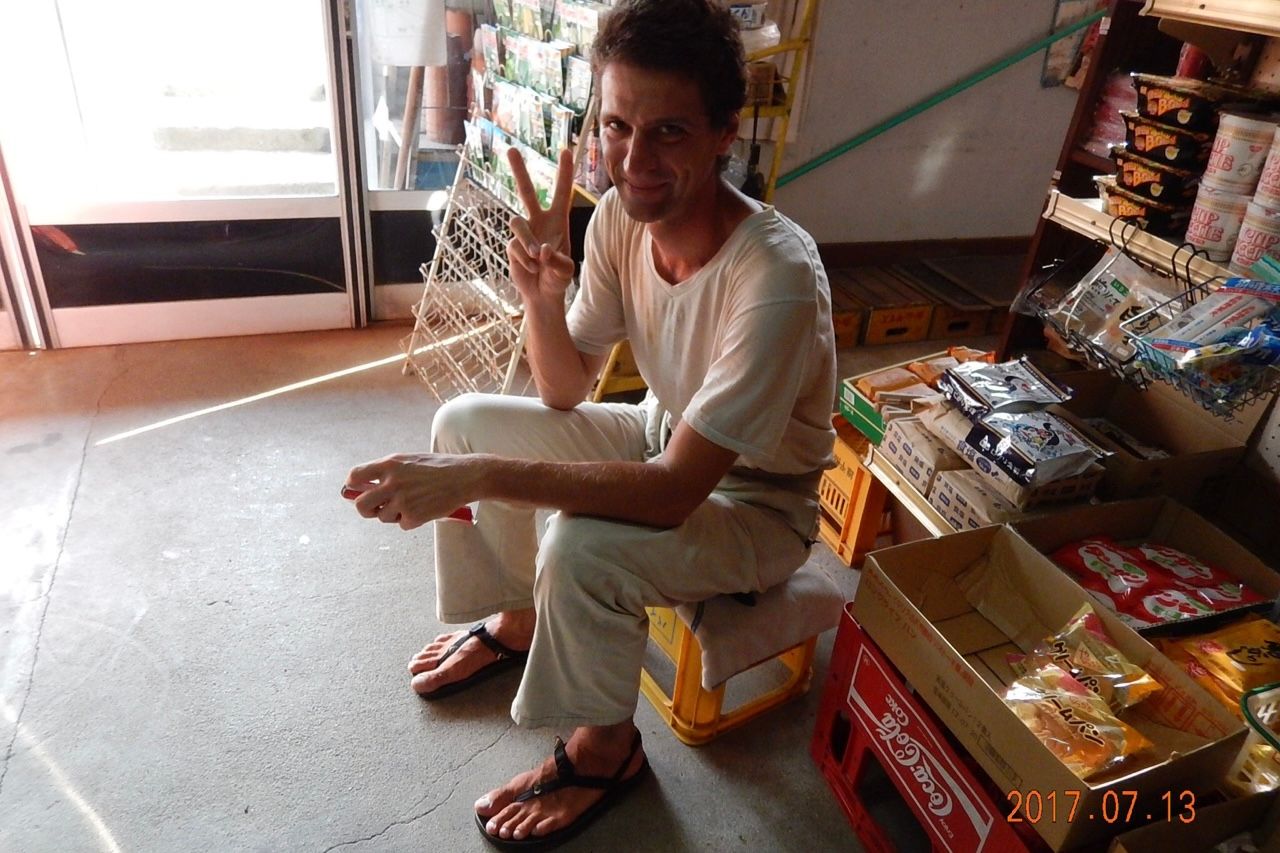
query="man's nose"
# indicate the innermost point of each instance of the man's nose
(640, 153)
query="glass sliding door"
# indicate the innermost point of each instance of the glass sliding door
(176, 166)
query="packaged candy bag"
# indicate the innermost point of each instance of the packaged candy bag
(979, 388)
(1208, 583)
(1243, 655)
(1084, 650)
(1076, 725)
(1102, 565)
(1176, 651)
(1170, 605)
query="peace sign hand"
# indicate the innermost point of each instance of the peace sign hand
(539, 253)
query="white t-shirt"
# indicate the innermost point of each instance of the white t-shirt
(743, 351)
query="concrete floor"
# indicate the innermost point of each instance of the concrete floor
(204, 647)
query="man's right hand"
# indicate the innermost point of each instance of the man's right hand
(539, 253)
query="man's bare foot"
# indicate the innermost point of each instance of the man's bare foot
(434, 668)
(599, 751)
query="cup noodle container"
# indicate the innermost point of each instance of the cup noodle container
(1239, 150)
(1215, 221)
(1268, 192)
(1259, 233)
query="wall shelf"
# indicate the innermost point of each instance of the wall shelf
(1255, 16)
(1085, 216)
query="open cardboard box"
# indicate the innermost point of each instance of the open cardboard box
(1200, 445)
(1209, 825)
(1160, 520)
(947, 611)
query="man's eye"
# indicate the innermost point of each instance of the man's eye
(671, 131)
(614, 124)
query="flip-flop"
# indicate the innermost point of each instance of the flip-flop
(507, 659)
(614, 787)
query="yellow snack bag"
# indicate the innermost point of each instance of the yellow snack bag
(1243, 655)
(1075, 724)
(1085, 651)
(1174, 651)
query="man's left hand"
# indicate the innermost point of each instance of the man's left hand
(410, 489)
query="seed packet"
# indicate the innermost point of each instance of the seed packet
(1084, 650)
(1075, 724)
(978, 388)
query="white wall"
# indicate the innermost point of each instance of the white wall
(977, 165)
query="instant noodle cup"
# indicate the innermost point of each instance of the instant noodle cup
(1215, 223)
(1259, 234)
(1239, 151)
(1153, 180)
(1267, 192)
(1084, 650)
(1152, 216)
(1180, 101)
(1243, 656)
(1174, 146)
(1075, 725)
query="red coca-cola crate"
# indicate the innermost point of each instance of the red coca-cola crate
(871, 725)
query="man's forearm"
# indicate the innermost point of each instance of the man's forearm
(637, 492)
(558, 368)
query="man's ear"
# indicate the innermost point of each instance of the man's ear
(729, 134)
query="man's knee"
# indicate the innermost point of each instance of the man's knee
(461, 423)
(588, 555)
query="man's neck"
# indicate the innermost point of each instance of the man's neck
(685, 244)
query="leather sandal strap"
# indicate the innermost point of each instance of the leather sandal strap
(481, 633)
(568, 777)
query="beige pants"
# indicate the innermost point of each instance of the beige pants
(590, 579)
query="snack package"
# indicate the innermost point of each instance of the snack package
(1033, 447)
(1076, 725)
(1084, 650)
(1243, 655)
(1175, 651)
(1170, 605)
(885, 380)
(1101, 565)
(1113, 292)
(963, 354)
(1237, 303)
(978, 388)
(1216, 587)
(931, 369)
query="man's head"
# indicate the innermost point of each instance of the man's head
(695, 39)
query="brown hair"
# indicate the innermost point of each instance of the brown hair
(697, 39)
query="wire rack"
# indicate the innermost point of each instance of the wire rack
(1223, 391)
(467, 332)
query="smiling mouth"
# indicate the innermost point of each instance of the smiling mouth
(645, 190)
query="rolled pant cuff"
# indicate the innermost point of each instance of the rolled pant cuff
(461, 616)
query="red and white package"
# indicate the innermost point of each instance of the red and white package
(1204, 581)
(1101, 565)
(1170, 605)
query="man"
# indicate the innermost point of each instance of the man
(707, 487)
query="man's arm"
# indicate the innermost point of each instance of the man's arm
(541, 269)
(414, 489)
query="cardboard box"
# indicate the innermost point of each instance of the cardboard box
(951, 426)
(917, 453)
(947, 611)
(965, 501)
(1200, 444)
(1211, 825)
(1160, 520)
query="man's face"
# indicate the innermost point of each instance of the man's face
(659, 146)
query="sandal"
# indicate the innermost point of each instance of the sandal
(614, 787)
(507, 658)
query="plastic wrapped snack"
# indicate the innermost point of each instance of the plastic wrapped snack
(930, 369)
(1114, 291)
(1101, 565)
(1084, 650)
(1242, 656)
(978, 388)
(1175, 650)
(1221, 590)
(1237, 303)
(1075, 724)
(1034, 447)
(885, 380)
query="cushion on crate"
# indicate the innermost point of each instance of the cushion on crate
(735, 636)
